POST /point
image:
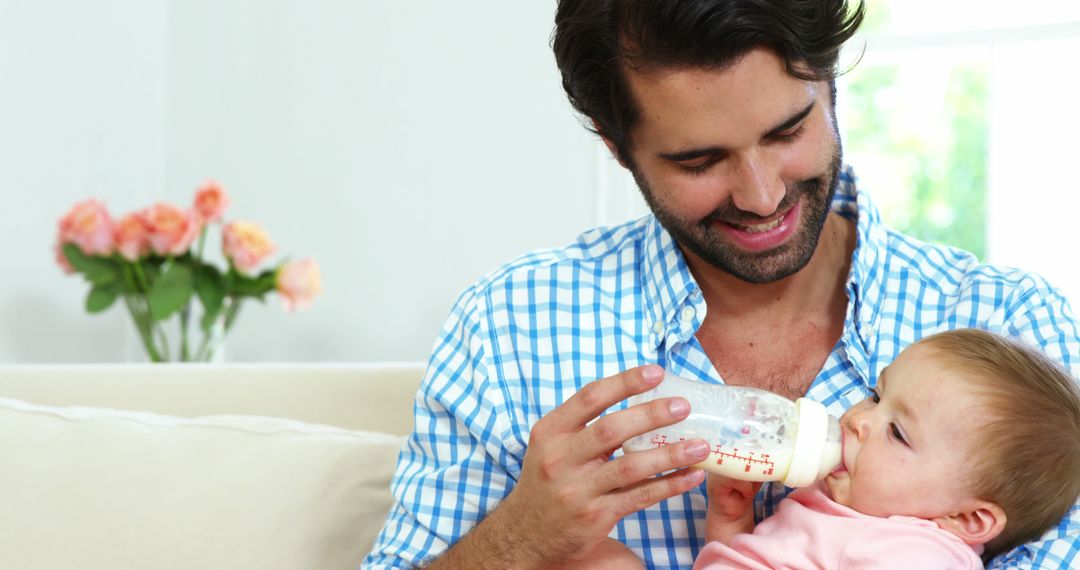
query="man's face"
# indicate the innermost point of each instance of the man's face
(907, 449)
(738, 164)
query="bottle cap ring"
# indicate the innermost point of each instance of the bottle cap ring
(812, 427)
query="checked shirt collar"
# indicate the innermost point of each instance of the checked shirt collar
(675, 306)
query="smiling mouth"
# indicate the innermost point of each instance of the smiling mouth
(763, 227)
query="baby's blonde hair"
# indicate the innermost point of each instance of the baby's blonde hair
(1028, 462)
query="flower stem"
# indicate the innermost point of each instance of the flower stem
(213, 336)
(185, 356)
(156, 327)
(140, 319)
(231, 312)
(202, 244)
(185, 314)
(211, 340)
(142, 286)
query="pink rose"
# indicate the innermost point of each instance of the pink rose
(211, 200)
(246, 245)
(132, 235)
(172, 229)
(298, 282)
(88, 226)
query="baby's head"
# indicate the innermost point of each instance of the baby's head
(973, 431)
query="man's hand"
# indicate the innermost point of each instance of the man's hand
(571, 493)
(730, 508)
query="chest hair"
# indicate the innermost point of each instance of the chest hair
(783, 364)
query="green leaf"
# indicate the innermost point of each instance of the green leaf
(98, 270)
(170, 292)
(101, 297)
(208, 320)
(151, 267)
(210, 286)
(255, 287)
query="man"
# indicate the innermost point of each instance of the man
(762, 265)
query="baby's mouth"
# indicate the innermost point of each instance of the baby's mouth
(842, 466)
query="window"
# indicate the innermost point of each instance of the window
(961, 119)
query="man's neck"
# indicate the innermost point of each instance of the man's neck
(817, 288)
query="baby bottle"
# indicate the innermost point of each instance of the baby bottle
(754, 435)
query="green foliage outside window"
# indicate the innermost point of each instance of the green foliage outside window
(931, 153)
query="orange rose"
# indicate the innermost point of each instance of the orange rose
(132, 235)
(246, 245)
(298, 282)
(88, 226)
(211, 200)
(172, 229)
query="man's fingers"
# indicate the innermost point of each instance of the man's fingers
(597, 396)
(652, 491)
(610, 431)
(632, 468)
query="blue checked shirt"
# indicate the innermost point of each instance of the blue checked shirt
(528, 336)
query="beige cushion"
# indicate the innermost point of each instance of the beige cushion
(358, 396)
(95, 488)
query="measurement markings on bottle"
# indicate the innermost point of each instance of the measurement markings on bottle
(747, 459)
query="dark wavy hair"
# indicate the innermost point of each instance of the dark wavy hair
(595, 40)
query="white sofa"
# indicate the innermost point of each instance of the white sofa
(198, 466)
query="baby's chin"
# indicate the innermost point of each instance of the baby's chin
(838, 487)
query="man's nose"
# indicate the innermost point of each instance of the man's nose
(758, 187)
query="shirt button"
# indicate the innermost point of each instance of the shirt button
(687, 314)
(658, 327)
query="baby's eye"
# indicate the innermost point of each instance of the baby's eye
(874, 396)
(898, 435)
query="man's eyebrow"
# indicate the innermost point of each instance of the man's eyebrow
(686, 155)
(682, 156)
(792, 121)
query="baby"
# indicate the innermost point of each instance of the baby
(968, 447)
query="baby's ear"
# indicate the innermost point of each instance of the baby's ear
(982, 523)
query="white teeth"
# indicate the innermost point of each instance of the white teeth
(761, 228)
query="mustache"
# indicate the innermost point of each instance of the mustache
(730, 214)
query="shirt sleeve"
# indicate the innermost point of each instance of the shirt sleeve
(454, 467)
(1040, 314)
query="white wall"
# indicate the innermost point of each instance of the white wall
(408, 147)
(80, 115)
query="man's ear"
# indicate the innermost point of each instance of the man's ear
(610, 145)
(982, 523)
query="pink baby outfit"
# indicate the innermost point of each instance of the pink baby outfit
(810, 530)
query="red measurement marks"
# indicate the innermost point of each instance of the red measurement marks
(748, 459)
(661, 440)
(763, 464)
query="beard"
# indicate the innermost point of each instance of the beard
(707, 242)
